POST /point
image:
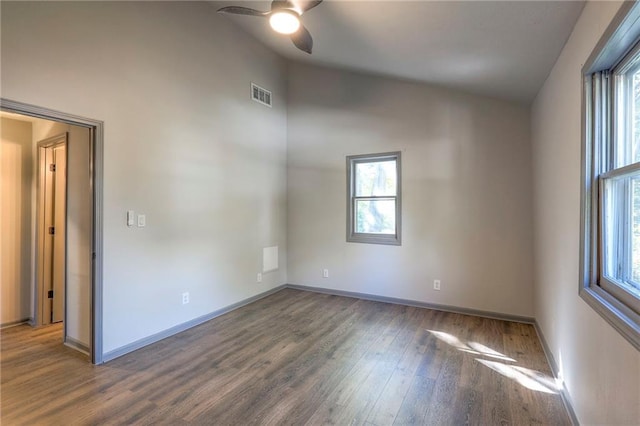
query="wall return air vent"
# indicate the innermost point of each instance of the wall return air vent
(260, 95)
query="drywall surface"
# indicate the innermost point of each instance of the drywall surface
(600, 368)
(79, 221)
(466, 190)
(16, 168)
(183, 144)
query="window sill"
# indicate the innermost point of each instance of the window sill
(626, 322)
(390, 240)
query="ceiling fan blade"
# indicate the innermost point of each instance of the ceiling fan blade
(239, 10)
(302, 39)
(282, 4)
(308, 4)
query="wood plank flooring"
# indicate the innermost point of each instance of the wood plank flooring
(294, 358)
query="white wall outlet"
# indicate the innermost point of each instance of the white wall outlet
(142, 221)
(185, 298)
(130, 217)
(259, 277)
(325, 273)
(436, 285)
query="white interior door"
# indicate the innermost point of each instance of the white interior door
(52, 201)
(46, 234)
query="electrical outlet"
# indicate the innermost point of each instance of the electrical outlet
(185, 298)
(259, 277)
(142, 221)
(436, 285)
(325, 273)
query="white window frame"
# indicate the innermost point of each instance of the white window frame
(357, 237)
(611, 57)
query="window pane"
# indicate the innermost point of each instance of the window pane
(635, 233)
(376, 178)
(621, 232)
(627, 141)
(375, 216)
(635, 115)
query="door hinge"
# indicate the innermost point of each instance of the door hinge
(50, 294)
(52, 230)
(52, 167)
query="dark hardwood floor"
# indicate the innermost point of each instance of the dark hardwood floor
(294, 357)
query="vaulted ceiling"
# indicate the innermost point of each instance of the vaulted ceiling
(502, 49)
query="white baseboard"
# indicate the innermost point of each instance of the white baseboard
(564, 393)
(77, 345)
(138, 344)
(15, 323)
(407, 302)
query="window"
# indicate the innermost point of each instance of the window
(373, 190)
(610, 249)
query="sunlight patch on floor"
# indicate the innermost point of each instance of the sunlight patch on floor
(471, 347)
(531, 379)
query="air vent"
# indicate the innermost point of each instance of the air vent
(260, 95)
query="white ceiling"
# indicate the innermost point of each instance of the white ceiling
(502, 49)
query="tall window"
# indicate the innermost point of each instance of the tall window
(610, 273)
(373, 188)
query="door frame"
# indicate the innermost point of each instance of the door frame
(39, 297)
(96, 130)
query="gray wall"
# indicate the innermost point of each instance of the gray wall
(600, 368)
(16, 166)
(183, 145)
(466, 195)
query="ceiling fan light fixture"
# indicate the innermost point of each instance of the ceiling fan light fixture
(284, 21)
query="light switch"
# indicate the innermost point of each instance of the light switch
(142, 220)
(130, 217)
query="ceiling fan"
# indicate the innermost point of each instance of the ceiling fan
(284, 18)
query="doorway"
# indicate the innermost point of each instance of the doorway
(66, 266)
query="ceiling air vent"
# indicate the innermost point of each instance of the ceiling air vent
(260, 95)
